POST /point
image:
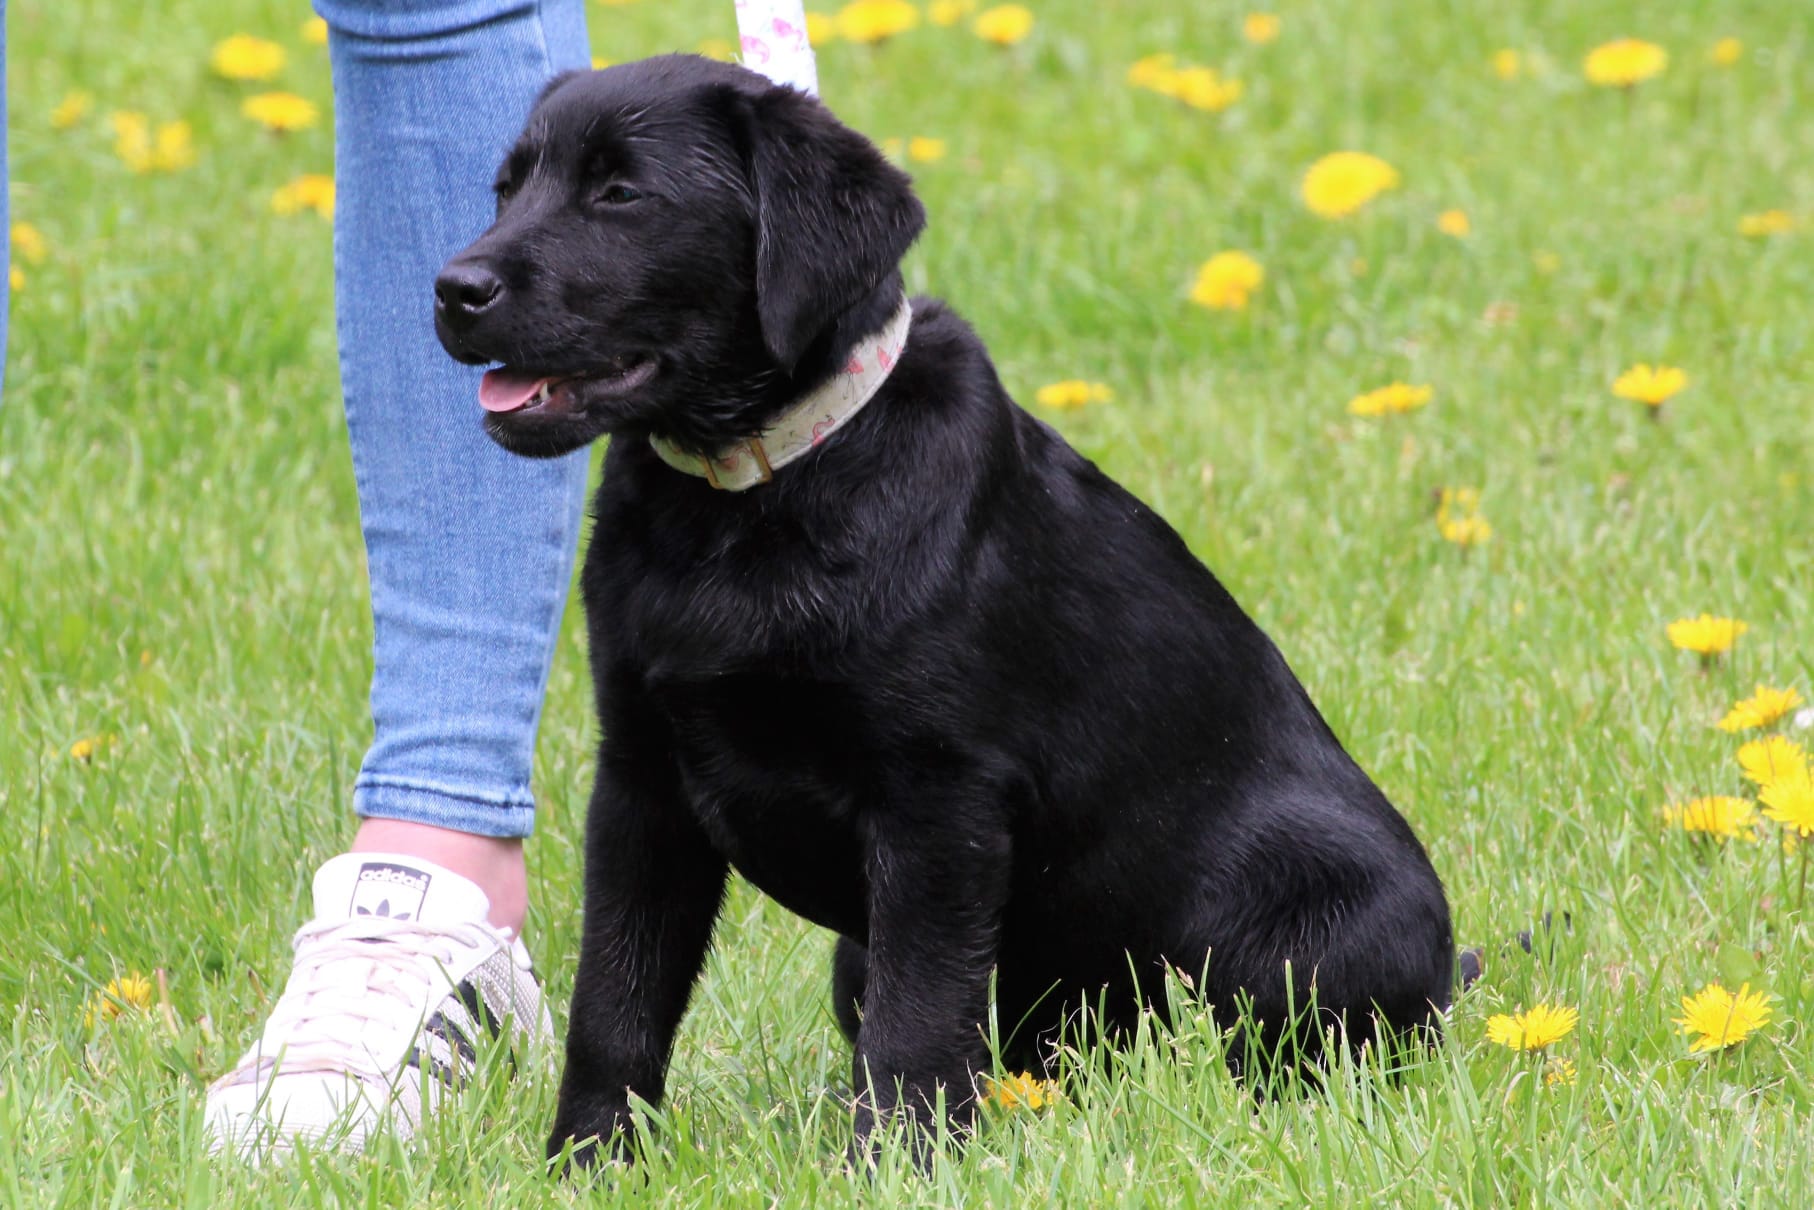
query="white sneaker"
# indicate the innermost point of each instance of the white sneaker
(397, 978)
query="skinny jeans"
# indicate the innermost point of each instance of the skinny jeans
(470, 548)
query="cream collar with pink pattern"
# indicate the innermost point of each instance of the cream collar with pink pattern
(801, 428)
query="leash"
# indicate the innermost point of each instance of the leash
(772, 38)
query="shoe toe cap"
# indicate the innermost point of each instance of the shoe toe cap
(266, 1119)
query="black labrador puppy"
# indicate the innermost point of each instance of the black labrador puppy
(868, 633)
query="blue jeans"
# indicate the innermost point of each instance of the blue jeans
(470, 549)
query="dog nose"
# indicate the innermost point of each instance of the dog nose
(466, 291)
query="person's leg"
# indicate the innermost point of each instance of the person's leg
(470, 547)
(412, 957)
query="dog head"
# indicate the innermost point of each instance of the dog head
(677, 242)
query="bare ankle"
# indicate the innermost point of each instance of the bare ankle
(495, 863)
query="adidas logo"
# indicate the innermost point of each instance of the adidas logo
(393, 891)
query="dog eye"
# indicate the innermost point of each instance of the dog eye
(618, 194)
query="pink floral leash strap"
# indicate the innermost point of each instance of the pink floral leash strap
(773, 41)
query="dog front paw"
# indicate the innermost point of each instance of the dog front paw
(582, 1143)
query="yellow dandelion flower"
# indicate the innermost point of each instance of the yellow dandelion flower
(1763, 707)
(1004, 25)
(1542, 1025)
(310, 191)
(1557, 1071)
(949, 12)
(1343, 181)
(243, 57)
(1790, 802)
(280, 111)
(922, 149)
(174, 148)
(1465, 531)
(1154, 72)
(1650, 385)
(1706, 635)
(169, 148)
(1455, 223)
(1390, 400)
(1767, 222)
(1458, 517)
(15, 278)
(1771, 759)
(1226, 281)
(132, 138)
(1726, 52)
(1721, 1018)
(29, 243)
(1072, 393)
(1021, 1090)
(71, 109)
(717, 48)
(1261, 29)
(315, 31)
(1198, 87)
(821, 29)
(1719, 815)
(873, 21)
(130, 991)
(1545, 263)
(1624, 62)
(1507, 64)
(1201, 88)
(599, 63)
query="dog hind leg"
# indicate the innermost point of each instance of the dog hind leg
(849, 977)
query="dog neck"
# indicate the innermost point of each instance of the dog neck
(799, 429)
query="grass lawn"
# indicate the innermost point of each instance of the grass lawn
(184, 637)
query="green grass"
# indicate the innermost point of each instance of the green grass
(181, 573)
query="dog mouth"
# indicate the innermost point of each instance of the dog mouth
(508, 389)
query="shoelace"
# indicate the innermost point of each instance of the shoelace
(351, 975)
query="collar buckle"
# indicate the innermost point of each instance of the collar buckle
(764, 472)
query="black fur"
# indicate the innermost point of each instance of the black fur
(942, 687)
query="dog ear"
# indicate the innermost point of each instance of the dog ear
(833, 218)
(555, 81)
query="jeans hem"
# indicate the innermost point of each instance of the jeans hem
(443, 807)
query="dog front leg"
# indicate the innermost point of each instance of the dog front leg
(653, 889)
(936, 899)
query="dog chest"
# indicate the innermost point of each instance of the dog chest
(772, 768)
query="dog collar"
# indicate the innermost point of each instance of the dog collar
(801, 428)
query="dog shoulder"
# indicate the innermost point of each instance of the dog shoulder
(947, 344)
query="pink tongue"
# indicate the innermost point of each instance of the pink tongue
(503, 391)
